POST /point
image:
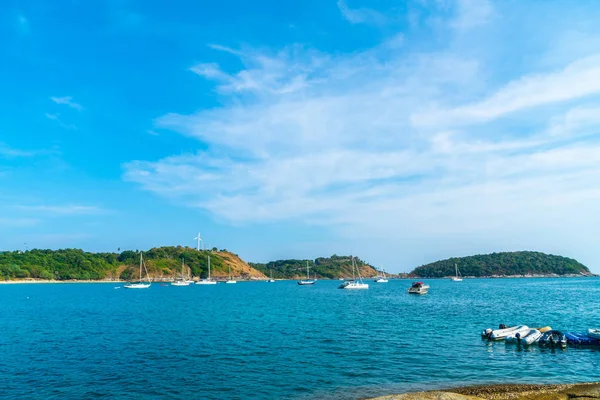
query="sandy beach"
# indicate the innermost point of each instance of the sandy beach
(505, 392)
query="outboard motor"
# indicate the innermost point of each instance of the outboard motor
(488, 332)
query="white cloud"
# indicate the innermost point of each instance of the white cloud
(68, 101)
(19, 222)
(472, 13)
(578, 79)
(56, 117)
(9, 152)
(361, 15)
(393, 144)
(69, 209)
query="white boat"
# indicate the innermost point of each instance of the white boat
(530, 337)
(182, 281)
(457, 277)
(593, 333)
(230, 277)
(308, 281)
(207, 281)
(382, 278)
(354, 284)
(139, 284)
(271, 280)
(501, 334)
(418, 288)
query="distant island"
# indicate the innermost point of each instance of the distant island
(334, 267)
(164, 264)
(518, 263)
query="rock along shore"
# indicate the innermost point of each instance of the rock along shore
(506, 392)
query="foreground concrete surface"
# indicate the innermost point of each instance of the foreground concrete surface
(583, 391)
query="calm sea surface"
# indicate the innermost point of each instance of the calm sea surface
(281, 340)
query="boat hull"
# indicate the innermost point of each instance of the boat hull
(553, 339)
(355, 286)
(306, 283)
(206, 283)
(501, 334)
(231, 282)
(594, 333)
(137, 286)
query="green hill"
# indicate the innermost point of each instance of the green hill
(162, 263)
(333, 267)
(503, 264)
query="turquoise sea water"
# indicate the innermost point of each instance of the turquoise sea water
(281, 340)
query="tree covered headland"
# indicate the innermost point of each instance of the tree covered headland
(77, 264)
(333, 267)
(508, 263)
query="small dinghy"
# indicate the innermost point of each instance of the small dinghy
(518, 336)
(504, 332)
(553, 338)
(544, 329)
(580, 339)
(530, 337)
(593, 333)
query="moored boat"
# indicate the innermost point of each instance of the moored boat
(528, 337)
(593, 333)
(553, 338)
(207, 281)
(457, 277)
(307, 281)
(578, 338)
(418, 288)
(503, 332)
(544, 329)
(140, 284)
(181, 281)
(354, 283)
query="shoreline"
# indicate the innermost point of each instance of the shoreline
(38, 281)
(505, 392)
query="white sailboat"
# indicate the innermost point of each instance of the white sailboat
(382, 278)
(354, 284)
(271, 280)
(230, 277)
(207, 281)
(139, 284)
(457, 277)
(307, 281)
(181, 281)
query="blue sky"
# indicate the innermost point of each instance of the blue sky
(403, 131)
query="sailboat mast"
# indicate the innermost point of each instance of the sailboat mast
(208, 267)
(140, 266)
(307, 275)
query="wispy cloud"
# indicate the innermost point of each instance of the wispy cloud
(23, 24)
(69, 209)
(361, 15)
(393, 143)
(9, 152)
(56, 117)
(578, 79)
(68, 101)
(19, 222)
(472, 13)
